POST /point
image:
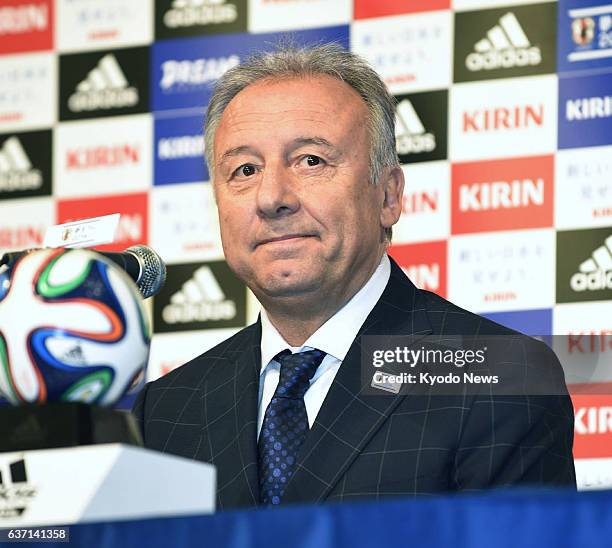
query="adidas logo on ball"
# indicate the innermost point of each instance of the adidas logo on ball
(104, 87)
(505, 46)
(200, 299)
(595, 273)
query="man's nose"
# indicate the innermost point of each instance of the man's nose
(276, 196)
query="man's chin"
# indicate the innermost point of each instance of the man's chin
(281, 286)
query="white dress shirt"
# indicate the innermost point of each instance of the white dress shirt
(334, 338)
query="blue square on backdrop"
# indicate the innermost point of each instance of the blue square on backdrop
(535, 323)
(179, 149)
(584, 35)
(585, 111)
(184, 70)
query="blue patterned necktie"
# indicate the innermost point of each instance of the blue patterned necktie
(285, 423)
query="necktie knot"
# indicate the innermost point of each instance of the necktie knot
(296, 371)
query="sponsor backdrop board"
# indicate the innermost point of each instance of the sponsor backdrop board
(403, 48)
(200, 296)
(368, 9)
(420, 126)
(184, 223)
(179, 19)
(23, 223)
(103, 83)
(266, 16)
(426, 203)
(583, 190)
(505, 42)
(495, 271)
(503, 115)
(537, 323)
(28, 91)
(584, 265)
(105, 156)
(502, 194)
(585, 35)
(585, 110)
(91, 24)
(424, 263)
(179, 149)
(25, 164)
(26, 25)
(503, 118)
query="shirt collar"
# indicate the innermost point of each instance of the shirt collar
(337, 334)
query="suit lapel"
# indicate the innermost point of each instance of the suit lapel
(230, 421)
(348, 417)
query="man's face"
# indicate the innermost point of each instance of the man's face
(298, 215)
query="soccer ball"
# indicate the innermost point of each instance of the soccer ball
(72, 328)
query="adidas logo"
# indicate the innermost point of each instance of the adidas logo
(595, 273)
(105, 87)
(188, 13)
(410, 134)
(16, 171)
(505, 46)
(200, 299)
(74, 355)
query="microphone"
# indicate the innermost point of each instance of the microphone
(140, 262)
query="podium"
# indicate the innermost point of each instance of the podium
(106, 482)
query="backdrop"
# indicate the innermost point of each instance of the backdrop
(504, 130)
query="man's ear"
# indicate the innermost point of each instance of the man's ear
(393, 188)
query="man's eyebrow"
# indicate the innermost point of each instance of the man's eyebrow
(296, 143)
(320, 141)
(230, 152)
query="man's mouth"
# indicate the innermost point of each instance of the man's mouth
(286, 237)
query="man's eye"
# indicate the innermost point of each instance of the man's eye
(245, 171)
(313, 160)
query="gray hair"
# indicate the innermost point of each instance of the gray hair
(288, 61)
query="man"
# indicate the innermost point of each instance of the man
(300, 144)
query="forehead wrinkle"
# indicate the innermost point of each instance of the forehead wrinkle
(247, 117)
(300, 132)
(249, 111)
(253, 109)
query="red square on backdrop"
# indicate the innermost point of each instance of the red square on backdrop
(380, 8)
(509, 194)
(133, 224)
(593, 425)
(26, 25)
(424, 264)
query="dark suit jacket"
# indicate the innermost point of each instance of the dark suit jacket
(363, 446)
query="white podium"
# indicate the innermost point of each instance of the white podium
(100, 483)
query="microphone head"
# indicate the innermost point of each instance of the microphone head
(153, 270)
